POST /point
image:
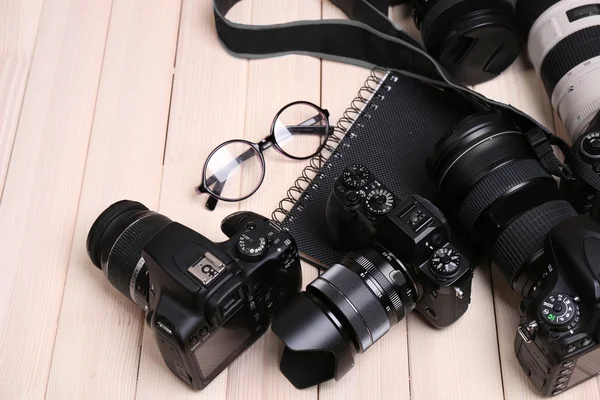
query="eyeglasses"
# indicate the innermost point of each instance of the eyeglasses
(299, 131)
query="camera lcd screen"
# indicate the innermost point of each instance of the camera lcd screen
(586, 367)
(225, 343)
(588, 10)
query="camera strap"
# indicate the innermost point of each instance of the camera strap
(369, 39)
(573, 168)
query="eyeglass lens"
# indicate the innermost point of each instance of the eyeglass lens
(300, 130)
(234, 171)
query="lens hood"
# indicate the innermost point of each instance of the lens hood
(316, 350)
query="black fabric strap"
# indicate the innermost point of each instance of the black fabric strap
(370, 39)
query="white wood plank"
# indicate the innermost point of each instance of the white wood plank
(382, 371)
(520, 87)
(100, 358)
(19, 20)
(207, 108)
(41, 194)
(272, 84)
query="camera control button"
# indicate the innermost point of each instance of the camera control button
(571, 348)
(586, 342)
(568, 364)
(252, 246)
(352, 197)
(355, 176)
(445, 261)
(380, 202)
(559, 310)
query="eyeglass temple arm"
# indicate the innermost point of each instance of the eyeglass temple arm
(212, 201)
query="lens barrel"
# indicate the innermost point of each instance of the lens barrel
(116, 240)
(474, 40)
(352, 305)
(564, 47)
(492, 179)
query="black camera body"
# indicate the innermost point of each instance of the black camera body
(585, 199)
(206, 302)
(558, 341)
(361, 210)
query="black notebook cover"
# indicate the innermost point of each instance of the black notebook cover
(390, 127)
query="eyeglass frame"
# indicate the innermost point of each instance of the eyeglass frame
(259, 148)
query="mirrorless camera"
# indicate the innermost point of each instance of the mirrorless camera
(205, 302)
(491, 178)
(354, 303)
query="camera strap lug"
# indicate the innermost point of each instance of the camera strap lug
(528, 331)
(459, 293)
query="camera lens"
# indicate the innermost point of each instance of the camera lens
(474, 40)
(115, 243)
(489, 174)
(351, 305)
(563, 43)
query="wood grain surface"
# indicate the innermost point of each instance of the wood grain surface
(124, 99)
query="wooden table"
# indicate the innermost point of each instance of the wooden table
(104, 100)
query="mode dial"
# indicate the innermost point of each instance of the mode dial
(355, 176)
(252, 246)
(379, 202)
(445, 261)
(590, 146)
(559, 310)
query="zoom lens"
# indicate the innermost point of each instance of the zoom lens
(487, 171)
(564, 47)
(115, 243)
(343, 312)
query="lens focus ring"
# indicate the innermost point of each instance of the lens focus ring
(525, 236)
(573, 50)
(495, 184)
(355, 300)
(127, 250)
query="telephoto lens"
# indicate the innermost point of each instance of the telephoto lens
(563, 43)
(493, 178)
(489, 175)
(343, 312)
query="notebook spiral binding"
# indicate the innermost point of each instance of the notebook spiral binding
(299, 192)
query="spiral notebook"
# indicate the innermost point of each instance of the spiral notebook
(390, 127)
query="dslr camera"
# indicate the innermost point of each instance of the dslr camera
(205, 302)
(403, 260)
(494, 180)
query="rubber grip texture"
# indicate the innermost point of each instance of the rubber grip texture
(495, 184)
(525, 236)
